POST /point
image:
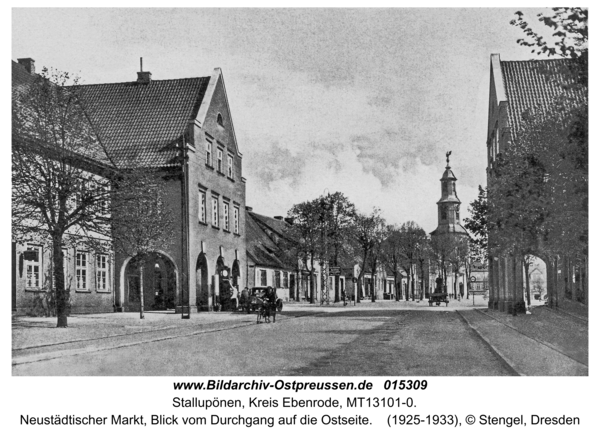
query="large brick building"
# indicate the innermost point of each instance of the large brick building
(517, 87)
(147, 123)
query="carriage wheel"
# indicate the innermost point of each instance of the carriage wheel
(258, 316)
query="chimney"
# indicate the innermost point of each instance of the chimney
(289, 220)
(278, 218)
(248, 208)
(28, 63)
(143, 76)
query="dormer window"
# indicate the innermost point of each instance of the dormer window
(220, 120)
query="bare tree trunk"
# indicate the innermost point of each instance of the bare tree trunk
(142, 289)
(373, 281)
(526, 264)
(455, 282)
(62, 295)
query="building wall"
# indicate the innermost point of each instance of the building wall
(90, 299)
(172, 250)
(212, 240)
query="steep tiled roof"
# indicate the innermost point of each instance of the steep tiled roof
(533, 85)
(260, 247)
(140, 122)
(274, 224)
(21, 79)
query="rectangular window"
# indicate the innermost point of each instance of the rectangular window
(219, 160)
(263, 277)
(33, 266)
(81, 262)
(236, 220)
(226, 216)
(102, 272)
(230, 166)
(209, 153)
(202, 206)
(285, 280)
(278, 279)
(215, 209)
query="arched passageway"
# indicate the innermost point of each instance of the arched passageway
(535, 283)
(155, 274)
(202, 283)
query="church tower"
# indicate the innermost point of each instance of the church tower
(449, 205)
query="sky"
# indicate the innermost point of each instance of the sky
(362, 101)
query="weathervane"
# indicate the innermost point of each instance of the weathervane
(448, 157)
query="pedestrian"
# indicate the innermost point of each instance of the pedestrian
(344, 296)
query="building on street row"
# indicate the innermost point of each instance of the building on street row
(184, 128)
(518, 89)
(268, 263)
(88, 257)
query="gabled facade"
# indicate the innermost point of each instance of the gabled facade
(184, 128)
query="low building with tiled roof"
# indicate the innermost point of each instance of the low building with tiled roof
(268, 262)
(518, 89)
(184, 128)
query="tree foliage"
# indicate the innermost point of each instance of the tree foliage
(369, 232)
(63, 179)
(477, 225)
(540, 193)
(570, 28)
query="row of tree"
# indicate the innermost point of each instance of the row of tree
(329, 231)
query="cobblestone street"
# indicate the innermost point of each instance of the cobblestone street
(386, 338)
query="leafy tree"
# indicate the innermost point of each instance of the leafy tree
(477, 225)
(60, 190)
(424, 255)
(539, 199)
(570, 37)
(392, 257)
(458, 257)
(412, 236)
(66, 189)
(305, 237)
(336, 219)
(368, 233)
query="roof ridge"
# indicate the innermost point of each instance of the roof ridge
(134, 81)
(537, 60)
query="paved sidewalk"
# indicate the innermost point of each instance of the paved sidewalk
(545, 343)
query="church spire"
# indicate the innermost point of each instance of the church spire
(449, 204)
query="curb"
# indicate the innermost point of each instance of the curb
(507, 362)
(68, 353)
(540, 341)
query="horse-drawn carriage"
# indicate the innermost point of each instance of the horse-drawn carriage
(438, 298)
